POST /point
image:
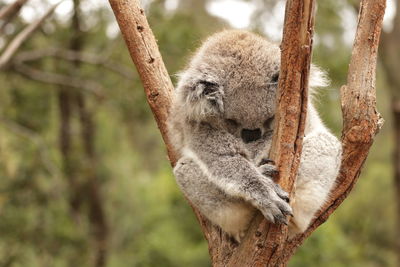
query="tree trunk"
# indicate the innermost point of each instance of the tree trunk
(267, 245)
(89, 187)
(80, 168)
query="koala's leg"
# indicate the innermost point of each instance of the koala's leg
(231, 214)
(319, 167)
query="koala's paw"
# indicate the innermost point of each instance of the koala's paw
(274, 204)
(268, 169)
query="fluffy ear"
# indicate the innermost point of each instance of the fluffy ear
(318, 77)
(201, 99)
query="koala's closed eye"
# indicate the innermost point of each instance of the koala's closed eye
(232, 123)
(269, 123)
(209, 87)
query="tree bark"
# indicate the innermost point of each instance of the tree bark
(264, 242)
(267, 245)
(361, 120)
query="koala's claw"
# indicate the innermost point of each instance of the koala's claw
(268, 170)
(281, 193)
(266, 161)
(275, 205)
(277, 213)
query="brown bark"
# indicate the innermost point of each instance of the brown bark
(296, 49)
(267, 245)
(361, 120)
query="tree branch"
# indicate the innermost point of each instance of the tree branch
(361, 120)
(264, 242)
(59, 79)
(37, 139)
(72, 55)
(9, 11)
(16, 43)
(266, 245)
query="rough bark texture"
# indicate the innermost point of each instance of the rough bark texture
(361, 120)
(266, 245)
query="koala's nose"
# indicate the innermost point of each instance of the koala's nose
(250, 135)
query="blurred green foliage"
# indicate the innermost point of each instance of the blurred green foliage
(150, 223)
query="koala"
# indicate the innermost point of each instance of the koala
(221, 123)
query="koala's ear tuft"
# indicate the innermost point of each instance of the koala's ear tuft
(204, 98)
(318, 77)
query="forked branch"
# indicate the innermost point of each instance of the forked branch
(265, 245)
(361, 120)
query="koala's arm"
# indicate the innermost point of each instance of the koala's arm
(223, 161)
(319, 167)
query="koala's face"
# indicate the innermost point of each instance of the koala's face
(233, 79)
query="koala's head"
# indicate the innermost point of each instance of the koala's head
(232, 80)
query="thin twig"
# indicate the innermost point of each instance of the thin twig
(59, 79)
(16, 43)
(72, 55)
(35, 138)
(9, 11)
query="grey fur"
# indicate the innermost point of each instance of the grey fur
(230, 85)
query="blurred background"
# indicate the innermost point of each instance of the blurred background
(84, 177)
